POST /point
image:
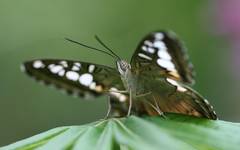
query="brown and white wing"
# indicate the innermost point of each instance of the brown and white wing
(174, 97)
(79, 78)
(161, 54)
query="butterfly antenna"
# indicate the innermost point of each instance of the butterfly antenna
(93, 48)
(105, 46)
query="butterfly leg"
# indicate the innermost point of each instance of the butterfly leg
(109, 108)
(130, 103)
(156, 107)
(113, 91)
(142, 95)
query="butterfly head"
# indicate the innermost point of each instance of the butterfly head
(123, 67)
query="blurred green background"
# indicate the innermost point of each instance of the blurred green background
(35, 29)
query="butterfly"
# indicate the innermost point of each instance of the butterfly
(157, 80)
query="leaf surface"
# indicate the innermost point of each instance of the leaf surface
(176, 132)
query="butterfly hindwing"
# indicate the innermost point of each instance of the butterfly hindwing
(161, 54)
(78, 78)
(173, 96)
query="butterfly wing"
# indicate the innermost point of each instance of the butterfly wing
(161, 54)
(163, 68)
(79, 78)
(174, 97)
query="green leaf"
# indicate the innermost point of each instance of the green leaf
(176, 132)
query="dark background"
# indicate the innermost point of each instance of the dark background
(35, 29)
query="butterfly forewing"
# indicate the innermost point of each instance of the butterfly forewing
(79, 78)
(161, 54)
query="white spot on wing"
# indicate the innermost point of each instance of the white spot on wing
(173, 82)
(38, 64)
(56, 68)
(95, 87)
(86, 79)
(148, 43)
(148, 49)
(179, 87)
(144, 48)
(92, 86)
(159, 36)
(91, 68)
(206, 101)
(165, 64)
(164, 55)
(51, 66)
(160, 45)
(75, 68)
(71, 75)
(214, 113)
(61, 73)
(144, 56)
(151, 50)
(64, 64)
(77, 64)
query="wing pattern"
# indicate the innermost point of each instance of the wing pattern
(161, 54)
(163, 69)
(174, 97)
(78, 78)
